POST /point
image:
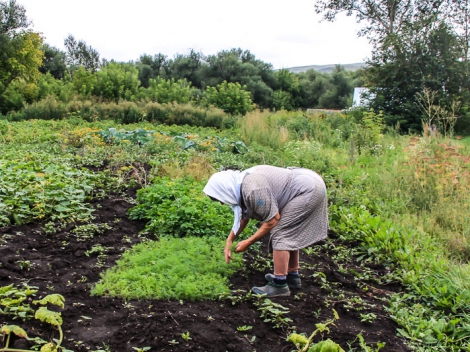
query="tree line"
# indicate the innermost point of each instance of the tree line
(418, 69)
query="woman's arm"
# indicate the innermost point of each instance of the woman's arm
(259, 234)
(231, 237)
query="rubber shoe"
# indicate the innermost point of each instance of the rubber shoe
(293, 281)
(272, 290)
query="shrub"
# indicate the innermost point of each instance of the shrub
(179, 208)
(233, 98)
(47, 109)
(167, 91)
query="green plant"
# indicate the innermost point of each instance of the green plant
(25, 264)
(141, 349)
(368, 317)
(179, 208)
(244, 328)
(272, 312)
(366, 348)
(86, 232)
(303, 344)
(44, 315)
(172, 268)
(35, 190)
(233, 98)
(13, 301)
(185, 336)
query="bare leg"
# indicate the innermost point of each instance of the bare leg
(293, 261)
(281, 262)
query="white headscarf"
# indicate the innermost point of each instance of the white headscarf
(225, 187)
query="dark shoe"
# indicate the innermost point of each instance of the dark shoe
(293, 281)
(272, 290)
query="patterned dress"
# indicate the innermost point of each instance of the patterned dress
(299, 195)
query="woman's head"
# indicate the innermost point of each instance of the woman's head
(224, 187)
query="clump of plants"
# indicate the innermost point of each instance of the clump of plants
(36, 190)
(304, 343)
(179, 208)
(13, 302)
(191, 268)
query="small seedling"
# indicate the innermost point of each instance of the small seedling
(143, 349)
(244, 328)
(185, 336)
(368, 318)
(25, 264)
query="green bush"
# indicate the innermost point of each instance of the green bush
(117, 81)
(179, 208)
(190, 268)
(187, 114)
(49, 108)
(167, 91)
(232, 98)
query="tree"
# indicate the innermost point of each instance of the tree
(117, 81)
(338, 94)
(187, 67)
(20, 48)
(233, 98)
(417, 44)
(83, 82)
(167, 91)
(54, 62)
(79, 54)
(239, 66)
(152, 67)
(383, 17)
(426, 55)
(12, 17)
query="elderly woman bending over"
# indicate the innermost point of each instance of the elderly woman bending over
(291, 205)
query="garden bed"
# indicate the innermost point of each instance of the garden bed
(60, 262)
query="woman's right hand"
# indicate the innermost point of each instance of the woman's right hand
(228, 252)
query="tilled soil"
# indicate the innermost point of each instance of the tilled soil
(58, 263)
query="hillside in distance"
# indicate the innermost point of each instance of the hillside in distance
(326, 68)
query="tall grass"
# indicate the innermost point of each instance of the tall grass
(255, 128)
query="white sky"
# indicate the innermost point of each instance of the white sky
(283, 33)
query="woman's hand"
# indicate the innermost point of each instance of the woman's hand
(228, 252)
(243, 245)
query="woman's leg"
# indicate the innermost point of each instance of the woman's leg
(281, 262)
(285, 261)
(293, 262)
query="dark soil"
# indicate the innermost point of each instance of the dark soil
(59, 264)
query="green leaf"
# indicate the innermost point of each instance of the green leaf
(15, 329)
(55, 299)
(50, 347)
(47, 316)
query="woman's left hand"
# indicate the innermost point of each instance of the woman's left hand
(242, 246)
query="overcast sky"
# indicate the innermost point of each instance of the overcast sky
(283, 33)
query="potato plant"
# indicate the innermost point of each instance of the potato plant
(179, 208)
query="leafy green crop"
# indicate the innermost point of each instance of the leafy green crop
(184, 140)
(179, 208)
(32, 190)
(191, 268)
